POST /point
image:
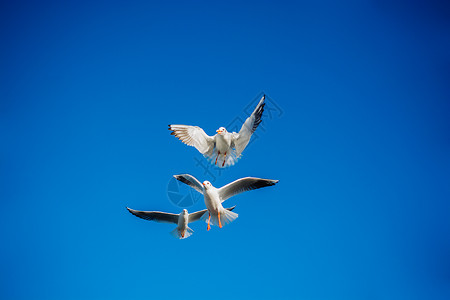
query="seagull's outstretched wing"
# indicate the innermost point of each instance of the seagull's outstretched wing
(191, 181)
(242, 185)
(198, 214)
(155, 216)
(240, 140)
(193, 136)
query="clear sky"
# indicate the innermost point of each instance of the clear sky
(358, 136)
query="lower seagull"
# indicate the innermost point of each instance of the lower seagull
(215, 213)
(182, 231)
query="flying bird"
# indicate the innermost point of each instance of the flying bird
(224, 148)
(182, 231)
(216, 214)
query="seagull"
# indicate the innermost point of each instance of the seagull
(216, 214)
(182, 231)
(224, 148)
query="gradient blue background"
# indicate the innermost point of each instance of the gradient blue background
(362, 149)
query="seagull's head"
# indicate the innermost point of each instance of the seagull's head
(207, 184)
(221, 130)
(185, 211)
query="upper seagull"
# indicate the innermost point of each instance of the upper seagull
(182, 220)
(224, 148)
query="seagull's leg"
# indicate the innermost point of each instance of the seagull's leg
(224, 159)
(218, 153)
(182, 234)
(209, 219)
(220, 224)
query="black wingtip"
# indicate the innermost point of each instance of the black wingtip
(274, 182)
(231, 208)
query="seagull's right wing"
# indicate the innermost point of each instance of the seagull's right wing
(240, 140)
(155, 216)
(194, 136)
(243, 185)
(198, 214)
(191, 181)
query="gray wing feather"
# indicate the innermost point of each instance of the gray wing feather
(243, 185)
(155, 216)
(241, 139)
(198, 214)
(191, 181)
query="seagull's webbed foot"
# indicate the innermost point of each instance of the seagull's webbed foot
(224, 159)
(220, 224)
(218, 153)
(209, 219)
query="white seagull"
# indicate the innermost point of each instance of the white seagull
(224, 148)
(216, 214)
(182, 231)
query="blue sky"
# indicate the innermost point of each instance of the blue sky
(361, 148)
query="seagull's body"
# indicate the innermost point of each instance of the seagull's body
(216, 214)
(223, 141)
(224, 148)
(182, 225)
(214, 206)
(182, 220)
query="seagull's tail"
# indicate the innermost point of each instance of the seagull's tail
(230, 159)
(226, 217)
(179, 235)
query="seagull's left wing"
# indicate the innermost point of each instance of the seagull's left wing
(191, 181)
(243, 185)
(194, 136)
(240, 140)
(155, 216)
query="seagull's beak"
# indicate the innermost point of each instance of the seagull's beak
(218, 131)
(203, 183)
